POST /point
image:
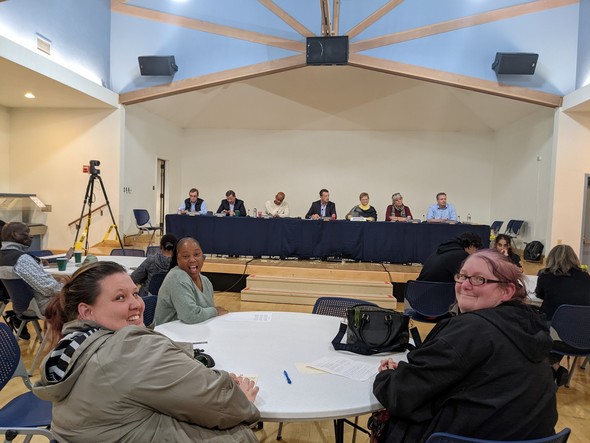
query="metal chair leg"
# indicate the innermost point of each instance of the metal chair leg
(38, 353)
(280, 431)
(586, 360)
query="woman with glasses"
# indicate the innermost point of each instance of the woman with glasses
(480, 374)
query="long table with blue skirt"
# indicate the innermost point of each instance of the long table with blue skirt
(291, 237)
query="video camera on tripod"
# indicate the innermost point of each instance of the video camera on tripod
(93, 165)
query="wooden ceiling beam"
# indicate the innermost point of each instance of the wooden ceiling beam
(456, 80)
(212, 28)
(326, 26)
(214, 79)
(283, 15)
(383, 10)
(459, 23)
(336, 18)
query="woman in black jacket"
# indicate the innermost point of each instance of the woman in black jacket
(480, 374)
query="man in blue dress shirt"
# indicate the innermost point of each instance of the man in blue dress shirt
(441, 212)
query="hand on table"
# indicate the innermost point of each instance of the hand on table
(315, 217)
(247, 386)
(387, 364)
(221, 311)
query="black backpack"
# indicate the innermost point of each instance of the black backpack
(533, 251)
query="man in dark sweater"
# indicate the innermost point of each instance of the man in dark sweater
(445, 262)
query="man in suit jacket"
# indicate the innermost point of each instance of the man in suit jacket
(231, 205)
(322, 208)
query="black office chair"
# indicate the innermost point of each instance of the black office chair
(496, 226)
(128, 252)
(142, 221)
(429, 301)
(572, 324)
(335, 307)
(150, 309)
(26, 414)
(21, 295)
(513, 228)
(443, 437)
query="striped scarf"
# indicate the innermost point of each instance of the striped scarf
(60, 358)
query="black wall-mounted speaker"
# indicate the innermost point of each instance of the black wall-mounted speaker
(327, 50)
(519, 63)
(157, 65)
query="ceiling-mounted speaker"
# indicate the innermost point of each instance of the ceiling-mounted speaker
(518, 63)
(327, 50)
(157, 65)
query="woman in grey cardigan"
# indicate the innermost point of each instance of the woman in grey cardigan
(112, 380)
(185, 294)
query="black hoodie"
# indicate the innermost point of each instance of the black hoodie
(481, 374)
(444, 263)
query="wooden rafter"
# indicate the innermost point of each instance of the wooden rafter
(280, 13)
(326, 27)
(214, 79)
(117, 2)
(373, 18)
(456, 80)
(459, 23)
(336, 17)
(212, 28)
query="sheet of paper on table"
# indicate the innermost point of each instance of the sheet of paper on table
(345, 367)
(262, 317)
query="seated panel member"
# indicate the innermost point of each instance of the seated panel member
(441, 211)
(231, 205)
(193, 203)
(323, 208)
(277, 208)
(397, 211)
(363, 210)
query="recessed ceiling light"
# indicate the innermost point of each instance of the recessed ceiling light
(29, 95)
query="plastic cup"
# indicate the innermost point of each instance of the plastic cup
(78, 256)
(237, 213)
(62, 263)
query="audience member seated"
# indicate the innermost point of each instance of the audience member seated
(397, 211)
(503, 245)
(445, 262)
(562, 282)
(154, 264)
(323, 208)
(441, 211)
(193, 204)
(363, 210)
(113, 380)
(481, 374)
(185, 294)
(232, 206)
(15, 263)
(277, 208)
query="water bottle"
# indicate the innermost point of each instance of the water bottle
(248, 213)
(254, 213)
(468, 218)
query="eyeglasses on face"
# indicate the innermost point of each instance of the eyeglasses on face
(475, 280)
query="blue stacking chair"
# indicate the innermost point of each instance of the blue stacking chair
(496, 226)
(150, 309)
(513, 228)
(572, 324)
(21, 295)
(152, 250)
(443, 437)
(143, 223)
(128, 252)
(25, 415)
(429, 301)
(155, 283)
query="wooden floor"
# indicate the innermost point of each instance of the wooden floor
(573, 403)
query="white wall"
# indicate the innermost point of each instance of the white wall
(522, 175)
(4, 148)
(147, 139)
(256, 164)
(47, 151)
(572, 162)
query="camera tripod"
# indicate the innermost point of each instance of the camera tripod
(88, 201)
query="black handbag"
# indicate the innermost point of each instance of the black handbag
(373, 330)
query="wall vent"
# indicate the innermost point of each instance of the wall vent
(43, 44)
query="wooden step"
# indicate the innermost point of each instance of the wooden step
(321, 285)
(309, 298)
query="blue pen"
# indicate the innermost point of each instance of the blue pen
(287, 377)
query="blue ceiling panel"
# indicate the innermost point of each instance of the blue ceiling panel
(250, 15)
(196, 53)
(552, 34)
(306, 12)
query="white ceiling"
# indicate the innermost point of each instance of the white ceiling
(339, 98)
(309, 98)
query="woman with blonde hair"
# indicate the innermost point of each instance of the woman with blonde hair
(397, 211)
(364, 209)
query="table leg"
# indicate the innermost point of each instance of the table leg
(339, 430)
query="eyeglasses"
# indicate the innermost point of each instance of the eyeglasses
(475, 280)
